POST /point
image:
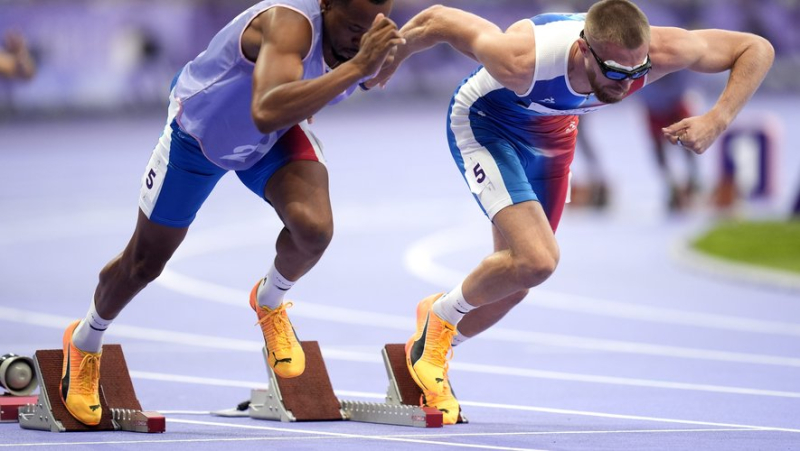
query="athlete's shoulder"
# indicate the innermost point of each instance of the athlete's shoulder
(283, 23)
(548, 18)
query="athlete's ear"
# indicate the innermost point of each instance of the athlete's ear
(583, 47)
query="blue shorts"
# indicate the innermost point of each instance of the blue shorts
(503, 167)
(179, 177)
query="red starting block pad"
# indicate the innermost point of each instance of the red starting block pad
(9, 407)
(121, 408)
(310, 396)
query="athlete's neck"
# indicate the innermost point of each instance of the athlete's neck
(576, 71)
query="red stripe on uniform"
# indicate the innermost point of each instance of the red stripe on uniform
(297, 145)
(637, 85)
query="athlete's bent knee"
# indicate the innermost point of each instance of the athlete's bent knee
(311, 232)
(532, 272)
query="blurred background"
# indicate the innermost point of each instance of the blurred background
(119, 55)
(115, 59)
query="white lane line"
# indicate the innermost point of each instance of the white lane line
(612, 380)
(420, 260)
(188, 440)
(196, 340)
(629, 347)
(122, 330)
(632, 431)
(389, 438)
(320, 435)
(220, 294)
(622, 417)
(522, 372)
(599, 307)
(213, 292)
(487, 405)
(328, 437)
(70, 225)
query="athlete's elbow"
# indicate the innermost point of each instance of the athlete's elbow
(432, 11)
(755, 49)
(266, 121)
(430, 22)
(766, 49)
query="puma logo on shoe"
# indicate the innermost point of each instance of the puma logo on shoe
(65, 379)
(277, 360)
(419, 346)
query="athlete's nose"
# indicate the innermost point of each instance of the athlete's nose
(625, 84)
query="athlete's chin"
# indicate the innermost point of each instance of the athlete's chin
(611, 95)
(346, 54)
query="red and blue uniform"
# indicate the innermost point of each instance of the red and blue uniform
(512, 148)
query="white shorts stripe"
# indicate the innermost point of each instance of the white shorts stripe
(156, 171)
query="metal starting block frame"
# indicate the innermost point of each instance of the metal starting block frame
(49, 413)
(310, 397)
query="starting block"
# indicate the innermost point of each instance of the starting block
(10, 405)
(121, 408)
(310, 396)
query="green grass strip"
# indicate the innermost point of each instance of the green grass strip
(767, 244)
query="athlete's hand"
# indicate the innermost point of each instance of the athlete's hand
(378, 45)
(389, 67)
(695, 133)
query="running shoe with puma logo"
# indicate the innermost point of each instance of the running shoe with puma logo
(286, 356)
(427, 351)
(80, 381)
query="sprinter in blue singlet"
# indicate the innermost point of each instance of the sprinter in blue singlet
(241, 105)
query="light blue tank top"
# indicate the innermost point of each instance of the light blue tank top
(214, 91)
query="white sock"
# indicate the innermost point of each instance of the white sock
(273, 288)
(452, 306)
(458, 339)
(88, 336)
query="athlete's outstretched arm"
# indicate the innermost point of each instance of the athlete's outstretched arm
(747, 56)
(508, 56)
(281, 98)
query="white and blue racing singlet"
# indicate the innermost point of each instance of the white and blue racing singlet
(214, 91)
(544, 116)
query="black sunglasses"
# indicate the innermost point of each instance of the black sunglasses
(614, 71)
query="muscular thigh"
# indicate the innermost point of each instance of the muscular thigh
(297, 144)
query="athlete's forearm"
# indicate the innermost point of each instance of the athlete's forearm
(440, 24)
(292, 103)
(747, 73)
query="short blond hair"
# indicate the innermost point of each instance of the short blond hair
(617, 22)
